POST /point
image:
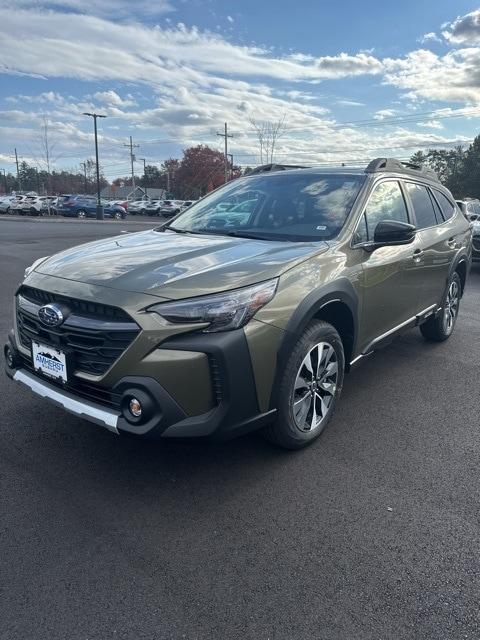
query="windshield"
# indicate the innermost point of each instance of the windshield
(297, 206)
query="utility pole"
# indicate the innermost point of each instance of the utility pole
(230, 155)
(5, 180)
(19, 184)
(84, 165)
(144, 172)
(38, 180)
(132, 160)
(226, 135)
(99, 202)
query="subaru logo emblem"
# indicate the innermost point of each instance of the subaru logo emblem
(51, 315)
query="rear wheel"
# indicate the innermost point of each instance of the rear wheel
(143, 212)
(81, 214)
(440, 327)
(309, 387)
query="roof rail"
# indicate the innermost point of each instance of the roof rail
(392, 164)
(275, 167)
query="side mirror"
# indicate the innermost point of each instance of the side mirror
(392, 232)
(473, 217)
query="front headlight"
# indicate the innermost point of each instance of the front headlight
(222, 311)
(33, 266)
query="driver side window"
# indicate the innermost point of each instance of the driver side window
(385, 203)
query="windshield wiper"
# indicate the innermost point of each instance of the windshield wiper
(176, 229)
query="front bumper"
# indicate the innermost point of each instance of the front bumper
(235, 410)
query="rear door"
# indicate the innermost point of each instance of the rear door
(437, 233)
(390, 297)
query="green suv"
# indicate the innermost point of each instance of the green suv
(245, 311)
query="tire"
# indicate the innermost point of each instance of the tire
(117, 215)
(440, 327)
(143, 212)
(301, 396)
(81, 214)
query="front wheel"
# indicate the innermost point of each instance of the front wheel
(440, 327)
(81, 214)
(117, 215)
(309, 387)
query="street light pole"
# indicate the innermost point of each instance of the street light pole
(99, 202)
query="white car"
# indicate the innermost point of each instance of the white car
(153, 207)
(171, 207)
(137, 206)
(6, 203)
(16, 208)
(36, 205)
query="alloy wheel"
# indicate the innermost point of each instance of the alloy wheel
(315, 387)
(451, 307)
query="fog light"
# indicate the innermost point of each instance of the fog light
(9, 357)
(135, 407)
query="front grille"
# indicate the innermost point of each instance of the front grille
(88, 391)
(82, 308)
(93, 336)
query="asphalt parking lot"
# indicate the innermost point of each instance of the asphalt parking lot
(371, 533)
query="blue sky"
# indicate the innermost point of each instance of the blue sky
(351, 80)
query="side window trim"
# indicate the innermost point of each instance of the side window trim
(412, 208)
(362, 215)
(455, 207)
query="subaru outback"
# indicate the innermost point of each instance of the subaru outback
(219, 323)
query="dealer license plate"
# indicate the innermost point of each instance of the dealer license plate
(49, 361)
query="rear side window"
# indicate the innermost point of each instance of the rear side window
(446, 206)
(385, 203)
(422, 205)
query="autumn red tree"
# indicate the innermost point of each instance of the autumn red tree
(201, 170)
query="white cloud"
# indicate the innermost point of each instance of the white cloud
(350, 103)
(230, 19)
(431, 124)
(381, 114)
(464, 29)
(429, 37)
(93, 48)
(111, 98)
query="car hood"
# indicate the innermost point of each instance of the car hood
(174, 265)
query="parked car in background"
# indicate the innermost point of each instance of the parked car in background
(188, 203)
(19, 204)
(137, 206)
(470, 208)
(36, 205)
(171, 207)
(6, 203)
(81, 206)
(121, 203)
(151, 207)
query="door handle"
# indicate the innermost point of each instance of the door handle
(417, 255)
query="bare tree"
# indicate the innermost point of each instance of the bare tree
(268, 134)
(48, 155)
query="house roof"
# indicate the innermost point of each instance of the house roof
(112, 191)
